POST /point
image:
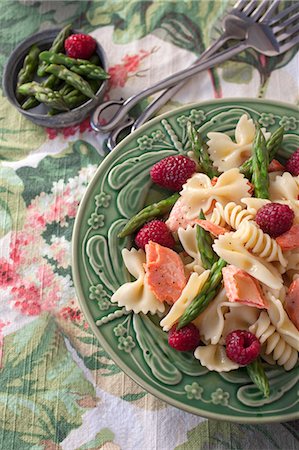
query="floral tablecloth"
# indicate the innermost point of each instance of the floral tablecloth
(58, 388)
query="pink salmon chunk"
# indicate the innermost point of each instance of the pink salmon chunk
(290, 239)
(164, 272)
(216, 230)
(242, 288)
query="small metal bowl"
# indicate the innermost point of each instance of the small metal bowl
(38, 114)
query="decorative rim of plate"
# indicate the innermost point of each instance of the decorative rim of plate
(83, 302)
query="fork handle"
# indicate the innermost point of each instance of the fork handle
(170, 81)
(154, 106)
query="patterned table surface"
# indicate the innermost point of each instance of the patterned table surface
(58, 388)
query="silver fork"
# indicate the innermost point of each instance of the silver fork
(269, 37)
(233, 29)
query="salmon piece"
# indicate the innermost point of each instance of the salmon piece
(214, 181)
(211, 227)
(251, 190)
(165, 273)
(211, 208)
(275, 166)
(292, 303)
(177, 217)
(290, 239)
(242, 288)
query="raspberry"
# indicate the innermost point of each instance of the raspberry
(172, 172)
(80, 46)
(185, 339)
(155, 231)
(242, 347)
(275, 219)
(292, 164)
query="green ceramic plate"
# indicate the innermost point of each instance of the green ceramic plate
(120, 188)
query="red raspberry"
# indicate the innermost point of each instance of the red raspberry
(275, 219)
(292, 164)
(80, 46)
(172, 172)
(155, 231)
(242, 347)
(185, 339)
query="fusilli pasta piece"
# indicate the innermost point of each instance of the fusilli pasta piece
(274, 345)
(214, 358)
(136, 295)
(230, 214)
(233, 252)
(259, 243)
(198, 193)
(190, 291)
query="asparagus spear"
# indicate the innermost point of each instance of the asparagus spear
(257, 374)
(151, 211)
(43, 95)
(71, 78)
(204, 244)
(56, 47)
(273, 145)
(208, 292)
(51, 82)
(200, 150)
(260, 163)
(80, 66)
(29, 67)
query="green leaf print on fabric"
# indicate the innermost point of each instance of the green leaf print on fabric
(42, 390)
(62, 167)
(238, 73)
(12, 205)
(181, 21)
(18, 136)
(224, 435)
(103, 436)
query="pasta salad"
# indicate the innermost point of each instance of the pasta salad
(218, 260)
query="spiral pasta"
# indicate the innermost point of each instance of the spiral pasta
(230, 214)
(259, 243)
(275, 347)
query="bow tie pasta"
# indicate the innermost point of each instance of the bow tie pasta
(199, 192)
(136, 295)
(227, 154)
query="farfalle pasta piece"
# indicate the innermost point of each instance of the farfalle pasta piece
(230, 214)
(227, 154)
(233, 252)
(199, 192)
(285, 189)
(259, 243)
(136, 295)
(253, 204)
(214, 358)
(188, 240)
(190, 291)
(221, 317)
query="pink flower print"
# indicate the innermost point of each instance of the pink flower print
(85, 125)
(120, 73)
(69, 131)
(72, 314)
(7, 274)
(118, 76)
(26, 299)
(52, 133)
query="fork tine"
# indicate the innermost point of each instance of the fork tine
(270, 11)
(289, 45)
(258, 12)
(286, 23)
(240, 4)
(284, 13)
(250, 7)
(291, 32)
